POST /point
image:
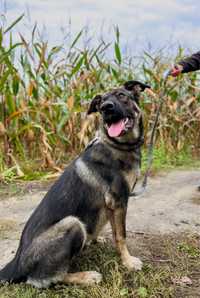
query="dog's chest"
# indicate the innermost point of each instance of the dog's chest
(131, 176)
(130, 170)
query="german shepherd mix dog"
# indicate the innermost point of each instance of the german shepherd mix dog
(93, 190)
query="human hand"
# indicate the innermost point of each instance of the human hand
(176, 70)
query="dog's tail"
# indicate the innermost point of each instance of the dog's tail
(10, 273)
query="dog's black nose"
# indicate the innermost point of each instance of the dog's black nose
(107, 106)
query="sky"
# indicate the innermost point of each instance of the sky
(143, 23)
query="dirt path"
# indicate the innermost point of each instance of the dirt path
(171, 204)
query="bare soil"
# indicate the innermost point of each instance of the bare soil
(171, 204)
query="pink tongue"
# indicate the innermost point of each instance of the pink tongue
(116, 128)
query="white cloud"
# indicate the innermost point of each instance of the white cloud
(156, 21)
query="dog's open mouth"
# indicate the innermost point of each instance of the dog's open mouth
(119, 128)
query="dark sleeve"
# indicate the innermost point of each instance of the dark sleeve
(191, 63)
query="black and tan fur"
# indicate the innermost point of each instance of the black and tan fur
(93, 190)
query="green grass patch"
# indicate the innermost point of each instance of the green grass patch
(167, 259)
(165, 160)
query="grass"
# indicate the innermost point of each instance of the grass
(35, 179)
(165, 160)
(167, 259)
(44, 95)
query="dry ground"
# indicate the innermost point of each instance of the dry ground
(163, 229)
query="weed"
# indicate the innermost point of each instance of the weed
(155, 280)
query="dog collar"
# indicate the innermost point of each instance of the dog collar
(125, 146)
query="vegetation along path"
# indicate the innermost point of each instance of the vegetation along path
(168, 209)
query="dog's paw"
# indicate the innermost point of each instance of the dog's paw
(101, 240)
(132, 263)
(92, 277)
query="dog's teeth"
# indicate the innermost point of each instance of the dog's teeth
(126, 121)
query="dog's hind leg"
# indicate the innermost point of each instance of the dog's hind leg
(47, 260)
(118, 223)
(48, 257)
(82, 278)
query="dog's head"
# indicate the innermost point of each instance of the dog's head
(119, 109)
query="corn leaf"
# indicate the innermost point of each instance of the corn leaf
(13, 24)
(118, 53)
(78, 66)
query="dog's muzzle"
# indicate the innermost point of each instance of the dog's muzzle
(107, 107)
(115, 121)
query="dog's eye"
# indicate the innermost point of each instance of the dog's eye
(123, 98)
(121, 95)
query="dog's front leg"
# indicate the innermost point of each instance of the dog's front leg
(117, 219)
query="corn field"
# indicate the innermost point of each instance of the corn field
(45, 92)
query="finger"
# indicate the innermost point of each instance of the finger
(175, 72)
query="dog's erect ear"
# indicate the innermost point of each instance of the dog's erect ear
(94, 105)
(135, 86)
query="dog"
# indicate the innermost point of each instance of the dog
(93, 190)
